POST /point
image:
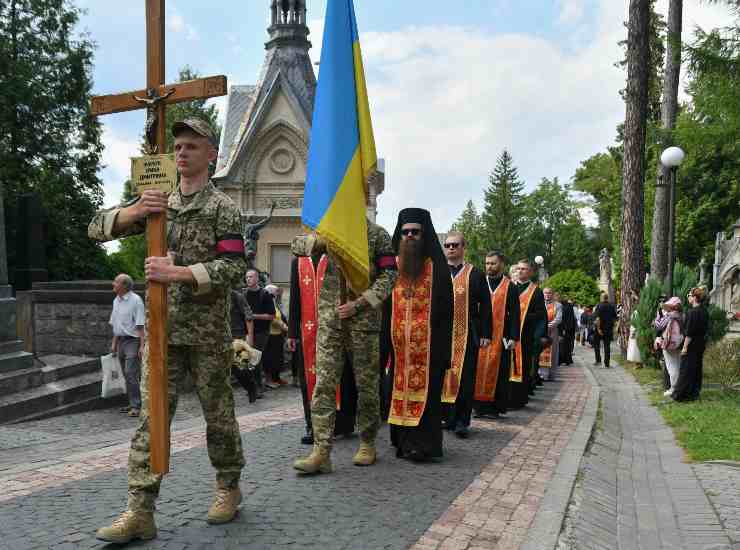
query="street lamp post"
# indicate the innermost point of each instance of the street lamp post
(672, 158)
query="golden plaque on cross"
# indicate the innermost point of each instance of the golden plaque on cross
(154, 172)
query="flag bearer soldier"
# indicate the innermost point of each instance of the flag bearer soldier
(205, 261)
(348, 327)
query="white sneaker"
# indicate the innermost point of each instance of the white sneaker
(668, 393)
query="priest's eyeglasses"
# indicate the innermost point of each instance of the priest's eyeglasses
(411, 232)
(452, 245)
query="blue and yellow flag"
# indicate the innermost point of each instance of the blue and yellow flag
(342, 151)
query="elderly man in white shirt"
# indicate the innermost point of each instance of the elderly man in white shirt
(127, 320)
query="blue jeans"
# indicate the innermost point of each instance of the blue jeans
(131, 367)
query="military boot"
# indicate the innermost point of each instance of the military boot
(129, 526)
(318, 462)
(225, 504)
(366, 455)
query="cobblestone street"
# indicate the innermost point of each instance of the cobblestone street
(506, 487)
(64, 477)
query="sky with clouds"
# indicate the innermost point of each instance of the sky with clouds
(451, 84)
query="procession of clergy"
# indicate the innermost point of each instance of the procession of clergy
(452, 340)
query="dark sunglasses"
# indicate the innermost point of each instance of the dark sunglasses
(452, 245)
(410, 232)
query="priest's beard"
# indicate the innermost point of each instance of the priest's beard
(411, 259)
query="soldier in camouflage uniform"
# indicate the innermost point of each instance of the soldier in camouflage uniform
(348, 328)
(205, 260)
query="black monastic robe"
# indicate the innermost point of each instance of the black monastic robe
(534, 329)
(501, 396)
(424, 442)
(479, 326)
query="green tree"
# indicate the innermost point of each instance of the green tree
(132, 251)
(49, 142)
(469, 224)
(502, 211)
(576, 285)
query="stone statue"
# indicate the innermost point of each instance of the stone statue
(251, 236)
(605, 266)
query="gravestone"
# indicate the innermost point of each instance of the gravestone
(12, 356)
(31, 249)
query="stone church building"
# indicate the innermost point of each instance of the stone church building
(264, 143)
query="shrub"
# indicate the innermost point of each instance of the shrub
(576, 285)
(643, 319)
(722, 363)
(719, 324)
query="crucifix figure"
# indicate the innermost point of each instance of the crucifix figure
(154, 98)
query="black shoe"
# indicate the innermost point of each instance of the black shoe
(462, 432)
(307, 439)
(597, 363)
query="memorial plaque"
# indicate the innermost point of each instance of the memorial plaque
(154, 172)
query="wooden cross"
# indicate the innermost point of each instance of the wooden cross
(154, 98)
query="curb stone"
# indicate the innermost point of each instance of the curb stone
(545, 530)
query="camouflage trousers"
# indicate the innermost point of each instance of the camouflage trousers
(363, 349)
(210, 371)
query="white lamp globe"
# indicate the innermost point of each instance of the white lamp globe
(672, 157)
(539, 260)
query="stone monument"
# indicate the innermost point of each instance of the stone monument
(726, 276)
(12, 355)
(605, 274)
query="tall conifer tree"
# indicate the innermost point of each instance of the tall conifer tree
(502, 211)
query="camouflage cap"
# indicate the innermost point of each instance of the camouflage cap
(197, 125)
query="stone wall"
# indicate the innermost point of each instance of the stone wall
(69, 318)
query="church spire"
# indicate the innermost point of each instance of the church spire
(288, 24)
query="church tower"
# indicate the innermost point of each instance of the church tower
(264, 142)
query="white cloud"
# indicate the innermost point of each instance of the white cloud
(447, 100)
(571, 12)
(177, 24)
(117, 153)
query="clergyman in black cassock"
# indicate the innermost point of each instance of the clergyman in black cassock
(495, 276)
(346, 415)
(466, 278)
(416, 372)
(533, 331)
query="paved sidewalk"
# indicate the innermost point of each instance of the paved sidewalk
(635, 490)
(64, 477)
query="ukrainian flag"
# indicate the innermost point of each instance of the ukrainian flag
(342, 151)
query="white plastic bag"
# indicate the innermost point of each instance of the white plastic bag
(113, 381)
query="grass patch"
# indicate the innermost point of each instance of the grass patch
(708, 429)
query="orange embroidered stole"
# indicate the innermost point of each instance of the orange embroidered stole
(411, 335)
(460, 317)
(489, 358)
(311, 281)
(546, 355)
(517, 370)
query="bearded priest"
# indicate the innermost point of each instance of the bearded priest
(418, 337)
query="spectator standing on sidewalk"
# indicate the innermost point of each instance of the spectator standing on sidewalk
(128, 319)
(242, 328)
(263, 312)
(275, 348)
(691, 372)
(604, 317)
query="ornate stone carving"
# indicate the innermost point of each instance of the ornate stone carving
(281, 203)
(266, 142)
(282, 161)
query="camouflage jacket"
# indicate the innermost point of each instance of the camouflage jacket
(205, 235)
(383, 276)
